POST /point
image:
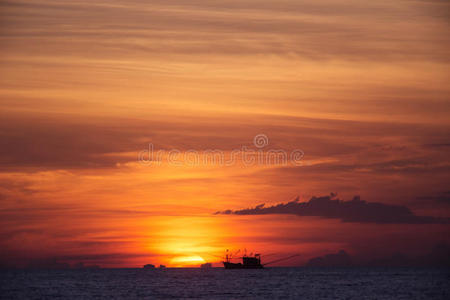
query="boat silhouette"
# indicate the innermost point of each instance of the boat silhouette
(248, 262)
(149, 266)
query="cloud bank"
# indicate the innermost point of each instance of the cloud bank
(355, 210)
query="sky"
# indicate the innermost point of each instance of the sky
(110, 111)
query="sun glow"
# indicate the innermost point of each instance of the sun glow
(184, 261)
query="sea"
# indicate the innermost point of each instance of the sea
(218, 283)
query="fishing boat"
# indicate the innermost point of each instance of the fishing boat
(248, 262)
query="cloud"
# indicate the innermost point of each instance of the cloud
(340, 259)
(309, 30)
(69, 261)
(442, 198)
(438, 256)
(355, 210)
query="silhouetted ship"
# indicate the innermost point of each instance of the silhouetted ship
(149, 266)
(248, 262)
(206, 266)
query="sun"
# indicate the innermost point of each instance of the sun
(187, 261)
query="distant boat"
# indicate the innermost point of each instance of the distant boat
(206, 266)
(162, 266)
(149, 266)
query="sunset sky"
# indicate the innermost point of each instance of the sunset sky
(361, 88)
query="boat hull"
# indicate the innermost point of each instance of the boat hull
(229, 265)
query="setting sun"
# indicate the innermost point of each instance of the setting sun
(187, 261)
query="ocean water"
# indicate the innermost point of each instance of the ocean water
(217, 283)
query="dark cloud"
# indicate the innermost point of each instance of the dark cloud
(68, 261)
(67, 142)
(340, 259)
(439, 256)
(102, 256)
(58, 141)
(439, 145)
(441, 198)
(355, 210)
(47, 143)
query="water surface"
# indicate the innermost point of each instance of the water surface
(271, 283)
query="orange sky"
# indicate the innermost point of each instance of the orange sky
(361, 88)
